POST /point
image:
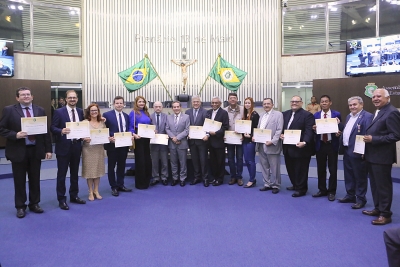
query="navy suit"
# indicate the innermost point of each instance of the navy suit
(116, 156)
(68, 153)
(327, 151)
(354, 166)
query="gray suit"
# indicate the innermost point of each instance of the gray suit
(159, 152)
(270, 156)
(178, 152)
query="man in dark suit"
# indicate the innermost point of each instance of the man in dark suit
(25, 151)
(216, 141)
(392, 243)
(116, 121)
(380, 153)
(298, 156)
(68, 151)
(327, 150)
(159, 153)
(198, 148)
(354, 166)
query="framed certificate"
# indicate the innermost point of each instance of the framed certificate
(160, 139)
(262, 135)
(211, 125)
(327, 126)
(291, 137)
(243, 126)
(196, 132)
(233, 138)
(359, 146)
(78, 129)
(34, 125)
(146, 130)
(99, 136)
(123, 139)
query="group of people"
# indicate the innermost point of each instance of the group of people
(380, 133)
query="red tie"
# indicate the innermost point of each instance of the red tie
(28, 115)
(325, 136)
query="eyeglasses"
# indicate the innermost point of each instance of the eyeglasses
(295, 102)
(93, 111)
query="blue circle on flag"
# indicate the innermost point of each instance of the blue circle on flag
(137, 75)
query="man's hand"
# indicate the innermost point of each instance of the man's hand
(367, 138)
(65, 130)
(49, 155)
(21, 135)
(268, 143)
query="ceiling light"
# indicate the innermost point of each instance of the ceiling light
(12, 7)
(20, 8)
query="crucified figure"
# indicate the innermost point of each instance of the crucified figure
(183, 66)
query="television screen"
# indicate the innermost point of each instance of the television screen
(373, 55)
(6, 58)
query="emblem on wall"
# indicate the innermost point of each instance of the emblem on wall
(369, 89)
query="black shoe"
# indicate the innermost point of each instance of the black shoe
(216, 183)
(63, 205)
(252, 184)
(182, 183)
(36, 208)
(358, 206)
(114, 192)
(331, 197)
(77, 200)
(346, 200)
(124, 189)
(164, 182)
(320, 194)
(265, 188)
(195, 181)
(154, 182)
(275, 190)
(298, 194)
(206, 183)
(21, 213)
(290, 188)
(174, 182)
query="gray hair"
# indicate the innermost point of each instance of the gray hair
(156, 102)
(216, 97)
(355, 98)
(196, 97)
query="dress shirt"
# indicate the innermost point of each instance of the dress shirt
(214, 112)
(27, 141)
(69, 109)
(349, 127)
(328, 116)
(122, 118)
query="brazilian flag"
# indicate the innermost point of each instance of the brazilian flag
(138, 75)
(226, 74)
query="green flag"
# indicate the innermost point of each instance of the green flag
(227, 74)
(138, 75)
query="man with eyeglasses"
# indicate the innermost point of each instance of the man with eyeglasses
(216, 141)
(68, 151)
(298, 156)
(25, 151)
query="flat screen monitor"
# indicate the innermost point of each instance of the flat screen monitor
(373, 55)
(6, 58)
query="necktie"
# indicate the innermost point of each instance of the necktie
(120, 123)
(325, 136)
(176, 121)
(264, 121)
(290, 121)
(158, 123)
(31, 138)
(195, 114)
(73, 115)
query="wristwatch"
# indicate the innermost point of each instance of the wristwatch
(304, 143)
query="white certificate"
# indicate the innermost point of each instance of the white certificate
(160, 139)
(291, 137)
(99, 136)
(196, 132)
(123, 139)
(34, 125)
(262, 135)
(359, 146)
(233, 138)
(146, 130)
(243, 126)
(78, 129)
(211, 125)
(327, 126)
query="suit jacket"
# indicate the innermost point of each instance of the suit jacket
(10, 125)
(161, 130)
(60, 118)
(113, 126)
(385, 132)
(304, 121)
(180, 132)
(334, 138)
(201, 116)
(275, 124)
(359, 128)
(217, 140)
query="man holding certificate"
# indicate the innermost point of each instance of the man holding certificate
(327, 147)
(25, 151)
(300, 146)
(177, 128)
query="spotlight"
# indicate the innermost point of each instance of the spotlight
(12, 7)
(20, 8)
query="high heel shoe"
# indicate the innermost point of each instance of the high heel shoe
(97, 195)
(90, 197)
(253, 184)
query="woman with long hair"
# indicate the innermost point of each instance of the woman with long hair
(93, 166)
(143, 167)
(249, 147)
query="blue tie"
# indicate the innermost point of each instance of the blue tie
(120, 123)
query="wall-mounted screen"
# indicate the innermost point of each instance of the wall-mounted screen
(6, 58)
(373, 55)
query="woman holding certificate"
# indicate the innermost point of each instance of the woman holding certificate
(143, 167)
(249, 147)
(93, 166)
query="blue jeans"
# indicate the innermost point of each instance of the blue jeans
(236, 168)
(249, 151)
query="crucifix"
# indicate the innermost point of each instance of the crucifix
(184, 63)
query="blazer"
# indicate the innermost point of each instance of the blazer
(335, 139)
(113, 126)
(385, 132)
(359, 128)
(255, 119)
(217, 140)
(201, 116)
(10, 125)
(304, 121)
(161, 130)
(275, 124)
(180, 132)
(60, 118)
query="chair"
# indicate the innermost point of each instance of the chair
(206, 104)
(258, 104)
(167, 104)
